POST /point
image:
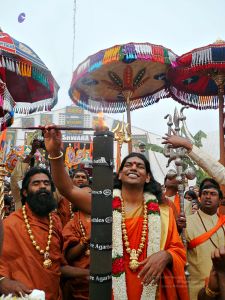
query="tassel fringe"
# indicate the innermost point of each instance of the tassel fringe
(118, 106)
(195, 101)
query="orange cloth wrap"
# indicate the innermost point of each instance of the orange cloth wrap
(76, 288)
(173, 285)
(22, 262)
(205, 236)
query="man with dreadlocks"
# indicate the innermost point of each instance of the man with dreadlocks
(148, 255)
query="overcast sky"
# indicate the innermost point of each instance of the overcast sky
(176, 24)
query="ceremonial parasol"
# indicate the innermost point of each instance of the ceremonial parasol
(198, 80)
(28, 81)
(6, 107)
(122, 78)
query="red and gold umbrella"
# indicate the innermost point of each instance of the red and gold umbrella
(198, 80)
(26, 84)
(122, 78)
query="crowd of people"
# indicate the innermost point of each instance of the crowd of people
(47, 230)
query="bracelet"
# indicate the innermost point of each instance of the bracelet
(56, 157)
(211, 293)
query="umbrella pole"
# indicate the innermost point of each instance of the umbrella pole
(222, 146)
(2, 176)
(221, 121)
(219, 79)
(129, 120)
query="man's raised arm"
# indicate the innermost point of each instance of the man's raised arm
(53, 142)
(203, 159)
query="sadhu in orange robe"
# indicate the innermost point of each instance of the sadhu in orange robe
(76, 288)
(64, 211)
(173, 284)
(22, 262)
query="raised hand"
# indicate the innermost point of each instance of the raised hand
(177, 141)
(181, 222)
(35, 145)
(53, 140)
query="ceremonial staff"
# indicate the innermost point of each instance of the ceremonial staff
(177, 155)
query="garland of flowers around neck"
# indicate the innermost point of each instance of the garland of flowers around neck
(153, 246)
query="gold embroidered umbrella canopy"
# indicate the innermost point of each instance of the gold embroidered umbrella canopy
(122, 78)
(198, 79)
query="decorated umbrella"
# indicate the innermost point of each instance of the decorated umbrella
(27, 80)
(198, 80)
(6, 107)
(123, 77)
(26, 84)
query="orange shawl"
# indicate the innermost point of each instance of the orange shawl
(63, 211)
(173, 284)
(76, 288)
(205, 236)
(21, 261)
(175, 205)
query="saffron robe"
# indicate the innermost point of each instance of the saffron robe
(173, 283)
(76, 288)
(63, 211)
(199, 258)
(21, 261)
(174, 203)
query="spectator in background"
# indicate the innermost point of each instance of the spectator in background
(19, 171)
(190, 195)
(204, 233)
(8, 202)
(76, 238)
(193, 198)
(79, 177)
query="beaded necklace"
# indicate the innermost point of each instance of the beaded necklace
(71, 211)
(84, 238)
(134, 254)
(47, 261)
